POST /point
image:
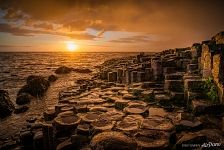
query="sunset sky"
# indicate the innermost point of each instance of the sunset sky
(107, 25)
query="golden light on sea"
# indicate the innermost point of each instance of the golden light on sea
(71, 46)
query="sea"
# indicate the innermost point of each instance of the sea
(15, 67)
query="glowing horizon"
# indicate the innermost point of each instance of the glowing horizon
(95, 26)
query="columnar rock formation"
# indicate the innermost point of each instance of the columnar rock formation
(166, 100)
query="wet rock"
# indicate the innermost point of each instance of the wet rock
(102, 124)
(21, 109)
(80, 70)
(157, 123)
(134, 118)
(91, 116)
(24, 98)
(130, 123)
(135, 109)
(113, 115)
(127, 126)
(66, 121)
(152, 139)
(52, 78)
(112, 141)
(63, 70)
(6, 106)
(153, 111)
(36, 86)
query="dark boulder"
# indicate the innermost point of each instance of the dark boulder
(23, 98)
(36, 86)
(6, 106)
(78, 70)
(21, 109)
(63, 70)
(52, 78)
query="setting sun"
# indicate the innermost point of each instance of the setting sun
(71, 46)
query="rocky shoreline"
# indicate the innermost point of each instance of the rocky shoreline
(167, 100)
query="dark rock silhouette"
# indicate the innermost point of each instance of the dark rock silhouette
(36, 86)
(63, 70)
(24, 98)
(6, 106)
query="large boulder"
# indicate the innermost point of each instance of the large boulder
(36, 86)
(63, 70)
(6, 106)
(23, 98)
